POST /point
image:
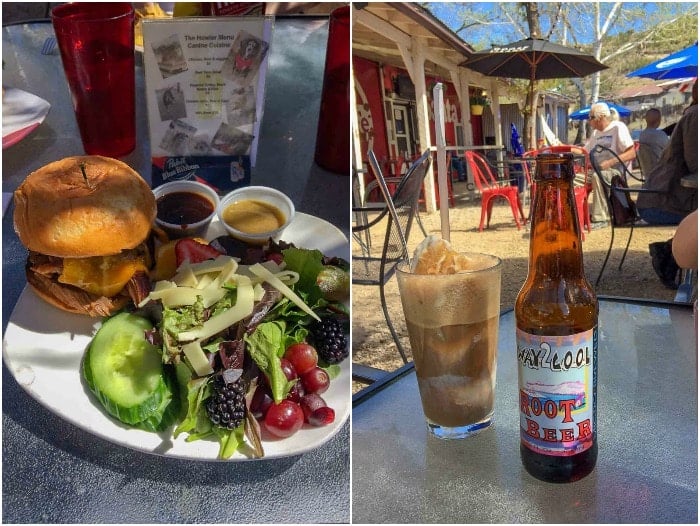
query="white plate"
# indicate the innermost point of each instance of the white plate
(43, 347)
(21, 113)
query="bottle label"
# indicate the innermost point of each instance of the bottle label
(557, 380)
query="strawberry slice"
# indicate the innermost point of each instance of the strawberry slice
(188, 249)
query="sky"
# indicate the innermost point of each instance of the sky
(482, 38)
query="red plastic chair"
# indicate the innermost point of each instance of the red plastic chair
(580, 192)
(491, 189)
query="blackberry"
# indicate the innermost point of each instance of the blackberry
(329, 340)
(226, 406)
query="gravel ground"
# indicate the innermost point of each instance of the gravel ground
(371, 341)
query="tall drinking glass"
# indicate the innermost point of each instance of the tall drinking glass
(452, 322)
(333, 136)
(96, 41)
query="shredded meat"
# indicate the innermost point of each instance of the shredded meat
(45, 265)
(72, 298)
(43, 272)
(138, 287)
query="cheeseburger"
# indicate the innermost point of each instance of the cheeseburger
(85, 221)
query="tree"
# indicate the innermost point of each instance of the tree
(622, 35)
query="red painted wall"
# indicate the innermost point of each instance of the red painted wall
(369, 83)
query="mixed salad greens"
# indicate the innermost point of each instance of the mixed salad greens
(206, 352)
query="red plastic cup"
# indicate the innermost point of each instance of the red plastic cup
(333, 138)
(96, 41)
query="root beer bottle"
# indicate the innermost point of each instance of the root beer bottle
(556, 315)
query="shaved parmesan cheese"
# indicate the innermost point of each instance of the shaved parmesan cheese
(164, 284)
(288, 277)
(213, 265)
(185, 276)
(197, 358)
(258, 292)
(157, 288)
(216, 324)
(210, 289)
(273, 280)
(204, 281)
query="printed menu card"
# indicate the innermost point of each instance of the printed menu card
(205, 84)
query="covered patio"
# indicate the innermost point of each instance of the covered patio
(400, 51)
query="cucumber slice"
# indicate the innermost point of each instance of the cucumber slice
(169, 410)
(125, 372)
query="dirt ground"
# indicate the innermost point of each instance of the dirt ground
(371, 340)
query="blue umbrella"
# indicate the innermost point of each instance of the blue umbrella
(582, 114)
(679, 65)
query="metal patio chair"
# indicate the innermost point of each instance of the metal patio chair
(621, 207)
(378, 270)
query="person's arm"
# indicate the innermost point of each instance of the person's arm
(685, 242)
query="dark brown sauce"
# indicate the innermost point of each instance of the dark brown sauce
(183, 208)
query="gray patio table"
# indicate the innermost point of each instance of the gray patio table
(647, 426)
(53, 471)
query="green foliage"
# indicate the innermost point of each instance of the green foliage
(638, 33)
(479, 100)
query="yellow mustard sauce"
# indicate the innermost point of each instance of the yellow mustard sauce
(253, 217)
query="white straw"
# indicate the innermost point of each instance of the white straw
(441, 161)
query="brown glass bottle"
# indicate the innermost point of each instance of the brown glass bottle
(556, 314)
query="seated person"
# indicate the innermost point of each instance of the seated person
(679, 159)
(612, 134)
(652, 141)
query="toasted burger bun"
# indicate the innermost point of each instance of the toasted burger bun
(60, 212)
(85, 233)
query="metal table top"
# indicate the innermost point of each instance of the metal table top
(55, 472)
(647, 428)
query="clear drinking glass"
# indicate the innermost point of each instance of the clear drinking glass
(452, 322)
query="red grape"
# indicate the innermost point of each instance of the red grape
(316, 380)
(303, 357)
(284, 419)
(309, 403)
(261, 401)
(288, 369)
(322, 417)
(296, 392)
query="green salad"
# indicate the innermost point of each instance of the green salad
(225, 351)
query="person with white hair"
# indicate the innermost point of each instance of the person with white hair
(612, 134)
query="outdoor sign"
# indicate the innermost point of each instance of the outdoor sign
(205, 84)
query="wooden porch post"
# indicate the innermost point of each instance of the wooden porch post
(423, 113)
(356, 144)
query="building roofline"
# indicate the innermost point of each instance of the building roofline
(428, 20)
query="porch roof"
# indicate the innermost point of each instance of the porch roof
(378, 26)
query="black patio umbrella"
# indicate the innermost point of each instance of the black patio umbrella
(533, 59)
